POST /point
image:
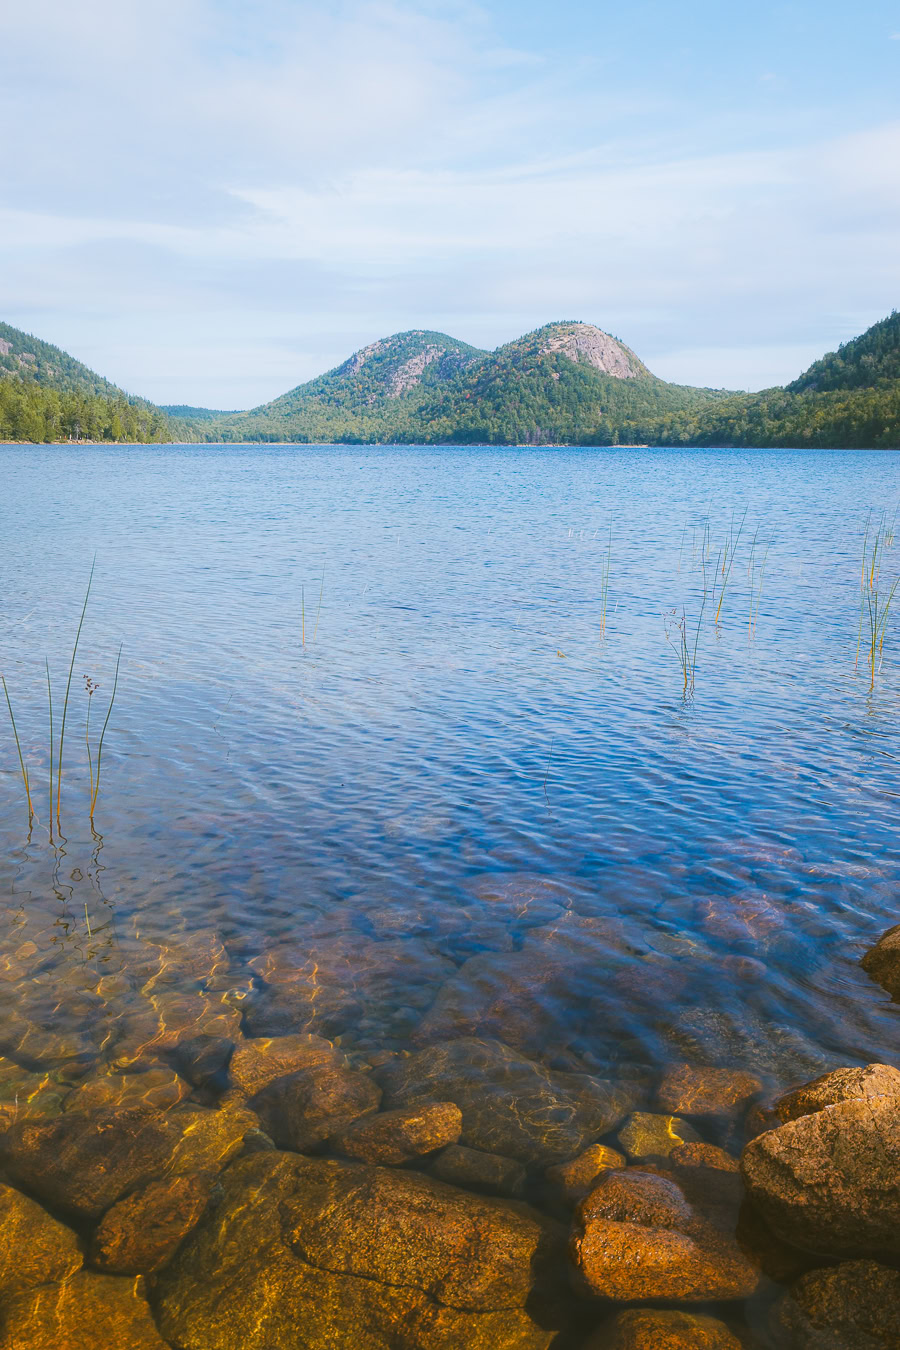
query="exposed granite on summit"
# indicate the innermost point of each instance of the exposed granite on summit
(584, 342)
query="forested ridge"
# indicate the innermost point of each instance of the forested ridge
(567, 383)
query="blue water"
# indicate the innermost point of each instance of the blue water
(446, 750)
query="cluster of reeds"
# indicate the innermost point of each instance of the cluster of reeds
(679, 638)
(57, 746)
(875, 600)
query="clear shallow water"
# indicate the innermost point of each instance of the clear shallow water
(455, 762)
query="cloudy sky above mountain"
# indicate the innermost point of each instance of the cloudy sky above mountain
(210, 201)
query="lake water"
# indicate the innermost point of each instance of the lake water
(369, 726)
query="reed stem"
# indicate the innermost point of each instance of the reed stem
(21, 756)
(62, 728)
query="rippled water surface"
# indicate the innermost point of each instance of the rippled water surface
(368, 727)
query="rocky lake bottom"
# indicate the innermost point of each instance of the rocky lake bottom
(440, 968)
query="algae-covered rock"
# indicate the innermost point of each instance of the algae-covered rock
(510, 1105)
(304, 1109)
(828, 1182)
(477, 1171)
(256, 1063)
(34, 1247)
(139, 1234)
(645, 1135)
(409, 1132)
(636, 1237)
(326, 1253)
(85, 1312)
(882, 961)
(671, 1329)
(852, 1306)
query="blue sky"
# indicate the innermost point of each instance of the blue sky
(210, 201)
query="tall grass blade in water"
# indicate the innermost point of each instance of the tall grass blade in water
(21, 756)
(50, 706)
(319, 605)
(730, 549)
(96, 782)
(62, 728)
(685, 650)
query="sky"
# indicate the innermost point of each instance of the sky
(211, 201)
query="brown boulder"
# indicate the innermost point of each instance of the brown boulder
(645, 1135)
(828, 1182)
(644, 1329)
(518, 997)
(304, 1109)
(393, 1137)
(346, 1254)
(853, 1306)
(477, 1171)
(86, 1312)
(84, 1163)
(256, 1063)
(572, 1180)
(510, 1105)
(636, 1237)
(208, 1139)
(34, 1247)
(841, 1085)
(107, 1091)
(698, 1090)
(139, 1234)
(882, 961)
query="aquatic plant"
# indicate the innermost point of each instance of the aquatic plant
(62, 729)
(685, 650)
(755, 573)
(95, 784)
(725, 563)
(22, 765)
(875, 606)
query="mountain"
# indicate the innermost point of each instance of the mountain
(863, 363)
(373, 396)
(567, 382)
(849, 399)
(46, 395)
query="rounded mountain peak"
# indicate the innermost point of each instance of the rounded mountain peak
(586, 342)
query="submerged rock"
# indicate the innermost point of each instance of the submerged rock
(400, 1136)
(519, 997)
(327, 985)
(85, 1312)
(572, 1180)
(258, 1062)
(346, 1254)
(477, 1171)
(28, 1096)
(106, 1091)
(303, 1109)
(644, 1329)
(853, 1306)
(140, 1233)
(701, 1090)
(743, 1039)
(84, 1163)
(645, 1135)
(34, 1247)
(510, 1105)
(636, 1237)
(828, 1182)
(882, 961)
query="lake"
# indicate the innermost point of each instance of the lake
(403, 751)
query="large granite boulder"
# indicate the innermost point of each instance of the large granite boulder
(34, 1247)
(510, 1105)
(519, 997)
(86, 1312)
(829, 1182)
(841, 1085)
(256, 1063)
(477, 1171)
(701, 1090)
(882, 961)
(853, 1306)
(636, 1237)
(329, 1253)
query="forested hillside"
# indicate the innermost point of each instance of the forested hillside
(46, 395)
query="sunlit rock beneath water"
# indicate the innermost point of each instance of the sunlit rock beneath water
(356, 1255)
(34, 1247)
(86, 1312)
